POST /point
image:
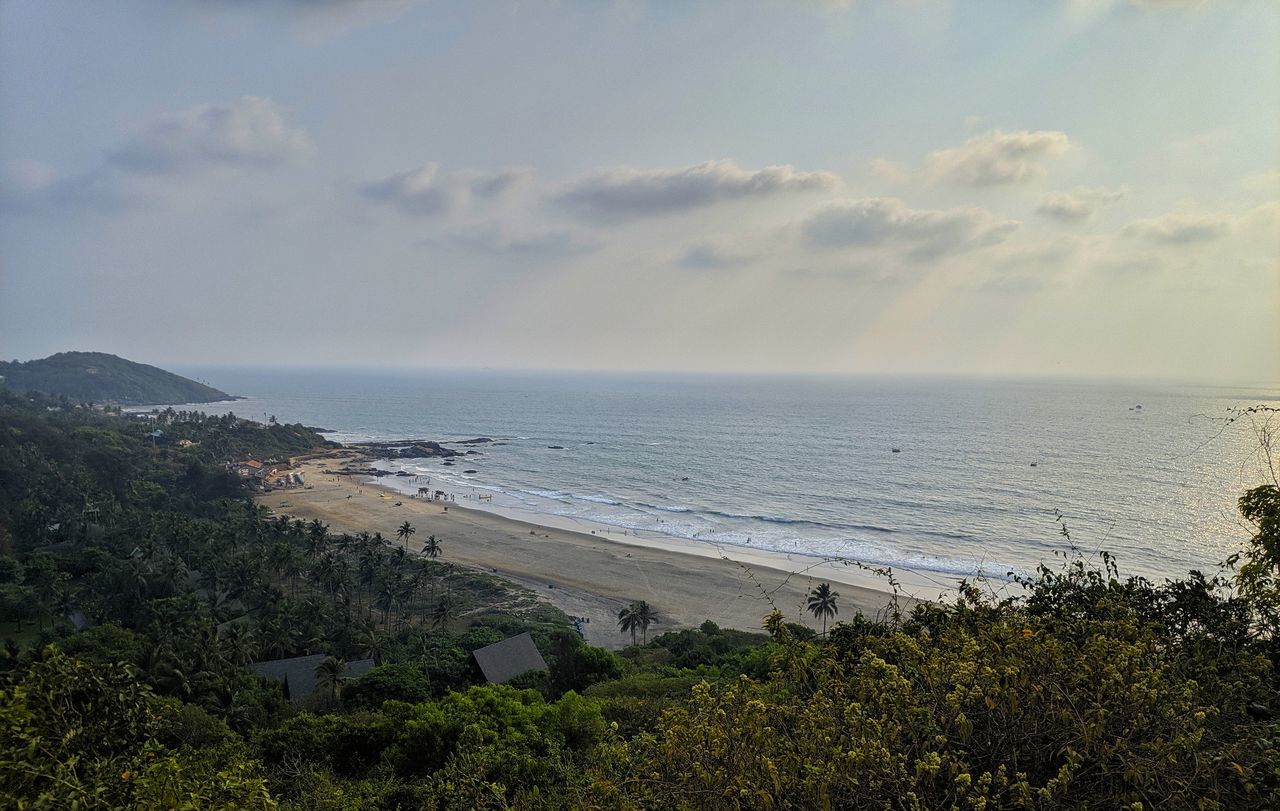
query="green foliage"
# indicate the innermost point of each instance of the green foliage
(1259, 576)
(978, 704)
(481, 748)
(729, 650)
(79, 735)
(399, 682)
(96, 377)
(105, 644)
(1087, 691)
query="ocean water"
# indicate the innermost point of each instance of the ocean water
(807, 465)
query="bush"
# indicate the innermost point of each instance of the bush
(399, 682)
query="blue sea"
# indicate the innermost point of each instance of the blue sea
(807, 465)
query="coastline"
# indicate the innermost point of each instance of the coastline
(595, 571)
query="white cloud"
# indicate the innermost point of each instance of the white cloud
(1164, 4)
(1263, 220)
(426, 191)
(309, 20)
(1180, 228)
(928, 233)
(499, 240)
(997, 158)
(28, 187)
(248, 132)
(1078, 205)
(716, 256)
(1264, 183)
(624, 193)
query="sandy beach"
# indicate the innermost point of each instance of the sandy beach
(591, 575)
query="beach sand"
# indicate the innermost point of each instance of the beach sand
(586, 575)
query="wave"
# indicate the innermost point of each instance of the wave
(697, 526)
(769, 519)
(554, 495)
(598, 500)
(666, 508)
(838, 527)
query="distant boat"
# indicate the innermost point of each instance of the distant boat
(1138, 407)
(1033, 464)
(897, 450)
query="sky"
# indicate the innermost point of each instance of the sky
(1084, 188)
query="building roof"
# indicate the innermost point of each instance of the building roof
(253, 463)
(299, 673)
(503, 661)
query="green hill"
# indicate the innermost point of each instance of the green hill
(101, 378)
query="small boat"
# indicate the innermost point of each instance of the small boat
(897, 450)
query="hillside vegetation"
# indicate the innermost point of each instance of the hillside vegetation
(96, 377)
(1088, 690)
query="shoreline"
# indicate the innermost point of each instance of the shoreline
(595, 572)
(915, 580)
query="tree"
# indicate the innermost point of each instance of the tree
(432, 547)
(444, 611)
(404, 532)
(398, 682)
(646, 617)
(329, 676)
(387, 597)
(373, 644)
(237, 644)
(636, 617)
(76, 734)
(822, 604)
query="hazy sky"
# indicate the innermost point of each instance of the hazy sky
(1084, 187)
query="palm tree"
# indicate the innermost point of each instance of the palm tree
(373, 644)
(316, 530)
(444, 611)
(635, 617)
(322, 570)
(329, 674)
(645, 617)
(822, 604)
(237, 644)
(387, 597)
(404, 532)
(432, 547)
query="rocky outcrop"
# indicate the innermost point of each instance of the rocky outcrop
(408, 449)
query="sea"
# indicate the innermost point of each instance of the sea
(957, 477)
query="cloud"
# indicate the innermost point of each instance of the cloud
(1263, 220)
(626, 193)
(309, 20)
(1078, 205)
(997, 158)
(1264, 182)
(495, 184)
(28, 187)
(426, 191)
(248, 132)
(1180, 228)
(715, 256)
(1165, 4)
(928, 233)
(498, 240)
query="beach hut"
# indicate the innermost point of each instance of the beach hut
(503, 661)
